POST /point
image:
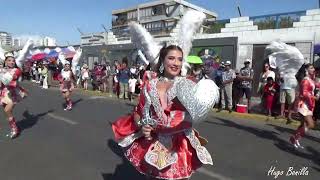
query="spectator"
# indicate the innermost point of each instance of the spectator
(133, 70)
(217, 77)
(35, 73)
(132, 86)
(99, 75)
(236, 90)
(106, 77)
(44, 75)
(227, 80)
(246, 77)
(287, 95)
(124, 74)
(115, 74)
(39, 67)
(267, 72)
(85, 76)
(269, 92)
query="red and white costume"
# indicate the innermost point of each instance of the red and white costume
(306, 102)
(66, 80)
(11, 91)
(176, 150)
(306, 106)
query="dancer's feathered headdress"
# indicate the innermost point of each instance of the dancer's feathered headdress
(189, 24)
(287, 59)
(21, 56)
(75, 59)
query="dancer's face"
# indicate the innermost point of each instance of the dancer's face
(311, 70)
(67, 67)
(266, 67)
(10, 62)
(173, 63)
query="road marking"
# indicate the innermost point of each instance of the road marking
(212, 174)
(97, 97)
(60, 118)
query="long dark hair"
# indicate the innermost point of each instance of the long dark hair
(162, 55)
(302, 71)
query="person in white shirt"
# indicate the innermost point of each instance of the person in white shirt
(85, 76)
(132, 86)
(287, 95)
(267, 72)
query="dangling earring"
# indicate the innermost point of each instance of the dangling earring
(161, 68)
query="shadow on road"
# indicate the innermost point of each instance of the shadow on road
(291, 131)
(308, 153)
(30, 120)
(124, 170)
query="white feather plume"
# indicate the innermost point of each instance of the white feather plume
(143, 57)
(23, 53)
(142, 39)
(75, 60)
(71, 48)
(57, 49)
(61, 58)
(288, 59)
(189, 24)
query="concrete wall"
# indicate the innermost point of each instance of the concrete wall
(304, 34)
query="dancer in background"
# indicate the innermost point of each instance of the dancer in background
(67, 85)
(306, 103)
(67, 77)
(289, 62)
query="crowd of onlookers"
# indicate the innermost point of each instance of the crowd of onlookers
(118, 78)
(124, 81)
(274, 92)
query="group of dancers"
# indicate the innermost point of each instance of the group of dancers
(11, 92)
(158, 137)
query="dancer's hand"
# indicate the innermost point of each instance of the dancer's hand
(146, 131)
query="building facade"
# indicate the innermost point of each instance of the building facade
(234, 39)
(158, 17)
(5, 39)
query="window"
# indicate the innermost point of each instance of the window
(146, 12)
(169, 9)
(132, 15)
(158, 10)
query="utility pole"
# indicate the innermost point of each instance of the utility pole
(239, 10)
(78, 29)
(104, 27)
(105, 34)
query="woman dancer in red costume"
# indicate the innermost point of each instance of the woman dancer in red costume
(306, 103)
(11, 92)
(158, 137)
(67, 85)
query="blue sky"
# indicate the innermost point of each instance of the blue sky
(60, 18)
